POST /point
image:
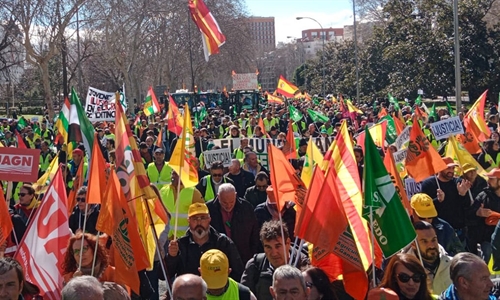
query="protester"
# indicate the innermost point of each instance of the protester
(257, 194)
(288, 283)
(405, 275)
(319, 285)
(242, 179)
(252, 164)
(159, 172)
(84, 214)
(11, 279)
(28, 203)
(268, 211)
(209, 185)
(83, 287)
(189, 286)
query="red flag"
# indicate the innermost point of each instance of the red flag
(41, 252)
(97, 175)
(211, 33)
(174, 118)
(5, 219)
(400, 125)
(382, 113)
(20, 141)
(422, 160)
(377, 131)
(289, 149)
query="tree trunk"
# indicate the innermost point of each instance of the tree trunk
(44, 69)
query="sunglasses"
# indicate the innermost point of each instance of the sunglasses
(261, 187)
(80, 199)
(77, 251)
(22, 194)
(404, 278)
(216, 175)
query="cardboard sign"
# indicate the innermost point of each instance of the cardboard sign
(403, 138)
(412, 187)
(245, 81)
(443, 129)
(223, 155)
(100, 105)
(18, 164)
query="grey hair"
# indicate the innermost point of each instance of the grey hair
(462, 265)
(191, 281)
(226, 188)
(83, 287)
(235, 161)
(114, 291)
(289, 272)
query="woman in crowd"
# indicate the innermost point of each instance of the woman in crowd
(83, 211)
(319, 284)
(70, 266)
(406, 276)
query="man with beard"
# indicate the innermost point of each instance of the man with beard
(436, 262)
(450, 196)
(183, 255)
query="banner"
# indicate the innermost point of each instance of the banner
(223, 155)
(403, 138)
(412, 187)
(18, 164)
(100, 105)
(245, 81)
(443, 129)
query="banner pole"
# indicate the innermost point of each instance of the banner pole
(95, 253)
(283, 236)
(83, 235)
(374, 277)
(292, 256)
(9, 192)
(299, 252)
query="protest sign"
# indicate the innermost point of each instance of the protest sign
(245, 81)
(100, 105)
(18, 164)
(443, 129)
(412, 187)
(223, 155)
(403, 138)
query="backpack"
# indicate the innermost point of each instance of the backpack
(259, 260)
(243, 292)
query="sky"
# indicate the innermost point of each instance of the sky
(329, 13)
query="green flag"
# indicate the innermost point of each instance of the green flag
(391, 133)
(21, 123)
(203, 113)
(295, 114)
(196, 119)
(433, 112)
(389, 219)
(315, 101)
(235, 112)
(450, 109)
(418, 101)
(394, 101)
(81, 130)
(317, 116)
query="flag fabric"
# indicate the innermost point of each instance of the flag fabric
(6, 225)
(317, 116)
(450, 109)
(400, 125)
(378, 131)
(469, 139)
(62, 123)
(391, 133)
(77, 183)
(151, 105)
(81, 130)
(382, 204)
(295, 114)
(274, 99)
(159, 139)
(183, 157)
(260, 122)
(20, 141)
(434, 113)
(461, 156)
(422, 160)
(97, 177)
(476, 115)
(394, 101)
(285, 181)
(352, 108)
(41, 185)
(418, 101)
(289, 148)
(382, 112)
(212, 36)
(286, 88)
(313, 157)
(21, 124)
(392, 168)
(174, 117)
(42, 249)
(116, 220)
(129, 166)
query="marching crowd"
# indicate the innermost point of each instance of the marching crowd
(230, 240)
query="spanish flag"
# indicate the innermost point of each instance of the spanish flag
(274, 99)
(286, 88)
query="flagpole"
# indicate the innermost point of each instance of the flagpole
(292, 256)
(83, 235)
(418, 252)
(298, 253)
(374, 278)
(95, 253)
(151, 224)
(283, 235)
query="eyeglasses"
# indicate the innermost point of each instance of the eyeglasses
(309, 284)
(198, 219)
(80, 199)
(21, 194)
(261, 187)
(216, 175)
(77, 251)
(404, 278)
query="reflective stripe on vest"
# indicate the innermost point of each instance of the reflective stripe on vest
(162, 178)
(186, 199)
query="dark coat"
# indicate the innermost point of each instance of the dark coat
(244, 227)
(242, 181)
(263, 215)
(77, 218)
(255, 197)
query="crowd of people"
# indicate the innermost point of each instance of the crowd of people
(231, 241)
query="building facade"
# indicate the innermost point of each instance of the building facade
(263, 33)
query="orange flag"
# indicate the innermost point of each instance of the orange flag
(290, 151)
(285, 181)
(262, 127)
(476, 115)
(116, 220)
(5, 219)
(422, 160)
(159, 140)
(400, 126)
(174, 117)
(97, 178)
(77, 183)
(393, 171)
(382, 112)
(469, 139)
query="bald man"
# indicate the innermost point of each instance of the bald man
(189, 287)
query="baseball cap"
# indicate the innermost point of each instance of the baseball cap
(159, 150)
(423, 206)
(495, 173)
(382, 294)
(467, 167)
(78, 152)
(449, 162)
(214, 268)
(196, 209)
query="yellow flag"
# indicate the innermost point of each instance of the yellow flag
(313, 156)
(461, 156)
(43, 182)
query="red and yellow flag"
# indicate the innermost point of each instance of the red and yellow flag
(116, 220)
(274, 99)
(205, 21)
(97, 178)
(377, 132)
(286, 88)
(174, 117)
(5, 219)
(476, 115)
(422, 160)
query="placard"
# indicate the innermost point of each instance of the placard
(245, 81)
(443, 129)
(223, 155)
(100, 105)
(403, 138)
(412, 187)
(19, 165)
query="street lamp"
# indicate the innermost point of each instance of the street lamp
(322, 52)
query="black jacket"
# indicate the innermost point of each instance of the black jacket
(255, 197)
(244, 227)
(188, 258)
(242, 181)
(263, 215)
(77, 218)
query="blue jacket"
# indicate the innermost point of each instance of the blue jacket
(451, 294)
